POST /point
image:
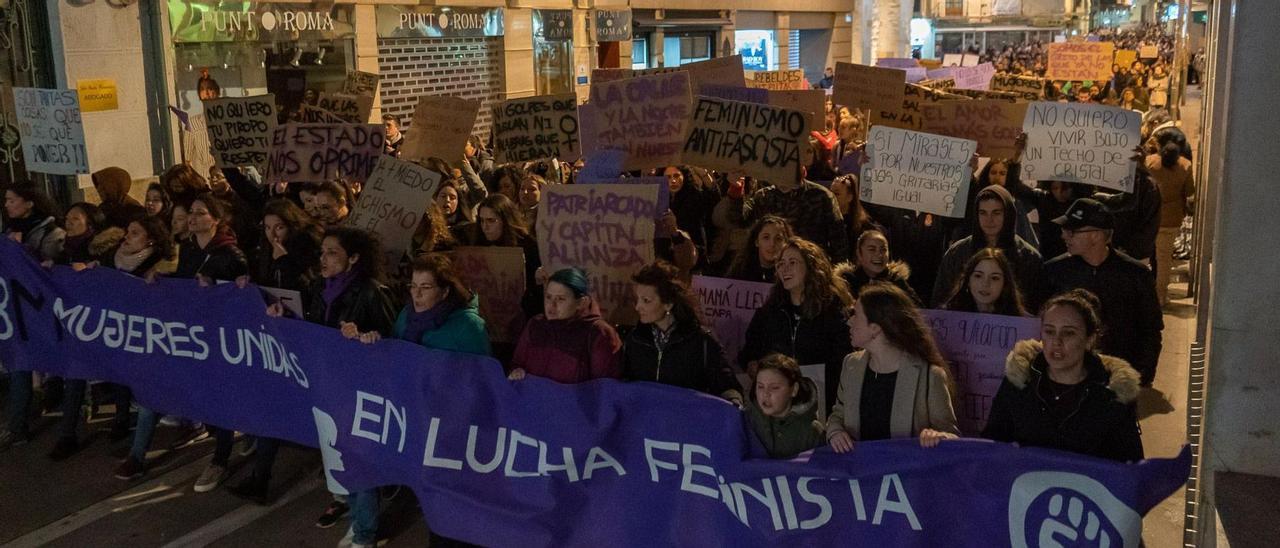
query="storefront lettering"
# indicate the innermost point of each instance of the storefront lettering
(229, 21)
(464, 21)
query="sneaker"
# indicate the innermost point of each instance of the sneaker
(130, 469)
(348, 541)
(252, 488)
(64, 449)
(9, 438)
(248, 446)
(213, 475)
(332, 514)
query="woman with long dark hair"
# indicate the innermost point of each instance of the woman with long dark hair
(987, 286)
(288, 255)
(500, 223)
(670, 345)
(211, 250)
(756, 261)
(897, 385)
(872, 263)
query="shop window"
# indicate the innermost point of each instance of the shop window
(687, 48)
(640, 53)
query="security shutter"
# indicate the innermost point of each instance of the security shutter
(462, 67)
(793, 49)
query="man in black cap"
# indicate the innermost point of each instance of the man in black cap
(1131, 316)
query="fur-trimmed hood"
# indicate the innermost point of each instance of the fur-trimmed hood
(894, 270)
(106, 241)
(1114, 373)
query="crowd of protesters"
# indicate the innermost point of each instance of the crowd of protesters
(849, 281)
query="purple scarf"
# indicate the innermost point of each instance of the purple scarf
(418, 323)
(333, 288)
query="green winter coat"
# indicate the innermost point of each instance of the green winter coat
(796, 432)
(463, 331)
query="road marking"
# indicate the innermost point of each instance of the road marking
(243, 516)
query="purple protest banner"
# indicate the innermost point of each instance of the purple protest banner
(727, 306)
(976, 346)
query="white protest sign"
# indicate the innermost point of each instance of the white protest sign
(975, 77)
(291, 300)
(440, 128)
(917, 171)
(761, 140)
(646, 117)
(536, 128)
(50, 130)
(240, 130)
(324, 152)
(607, 230)
(353, 109)
(395, 196)
(496, 274)
(1081, 143)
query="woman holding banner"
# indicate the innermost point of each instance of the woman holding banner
(570, 343)
(1062, 394)
(988, 286)
(670, 346)
(442, 313)
(756, 262)
(210, 252)
(783, 412)
(803, 316)
(897, 386)
(872, 264)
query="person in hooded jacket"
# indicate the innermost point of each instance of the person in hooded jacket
(670, 345)
(1062, 393)
(992, 226)
(872, 264)
(803, 317)
(113, 185)
(783, 411)
(569, 343)
(999, 172)
(210, 252)
(1173, 174)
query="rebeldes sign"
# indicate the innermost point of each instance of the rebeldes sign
(762, 140)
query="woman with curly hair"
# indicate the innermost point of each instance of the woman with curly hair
(803, 316)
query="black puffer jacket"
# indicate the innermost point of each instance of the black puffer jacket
(1131, 317)
(366, 303)
(895, 272)
(691, 359)
(1103, 425)
(822, 339)
(294, 270)
(220, 259)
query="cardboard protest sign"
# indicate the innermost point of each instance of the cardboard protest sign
(916, 74)
(720, 70)
(1126, 57)
(975, 77)
(1029, 87)
(1081, 143)
(761, 140)
(308, 114)
(440, 128)
(647, 117)
(910, 115)
(1149, 51)
(875, 88)
(733, 93)
(395, 196)
(240, 129)
(606, 230)
(664, 190)
(1007, 96)
(952, 59)
(496, 275)
(897, 62)
(812, 102)
(917, 171)
(360, 83)
(353, 109)
(975, 345)
(317, 153)
(536, 128)
(50, 130)
(777, 79)
(992, 123)
(1080, 61)
(727, 307)
(970, 60)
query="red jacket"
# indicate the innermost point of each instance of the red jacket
(569, 351)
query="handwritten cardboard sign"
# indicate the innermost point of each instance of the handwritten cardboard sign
(646, 117)
(975, 77)
(724, 71)
(1081, 143)
(897, 62)
(875, 88)
(952, 59)
(51, 130)
(1149, 51)
(727, 307)
(734, 93)
(536, 128)
(324, 152)
(395, 196)
(976, 345)
(777, 79)
(606, 230)
(1080, 60)
(910, 114)
(1126, 57)
(917, 171)
(1028, 87)
(440, 129)
(496, 275)
(992, 123)
(812, 102)
(308, 114)
(360, 83)
(290, 299)
(354, 109)
(761, 140)
(240, 129)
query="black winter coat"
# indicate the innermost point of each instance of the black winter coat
(1104, 423)
(822, 339)
(691, 359)
(295, 270)
(366, 303)
(220, 259)
(1131, 316)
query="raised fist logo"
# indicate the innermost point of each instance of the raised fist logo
(1057, 509)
